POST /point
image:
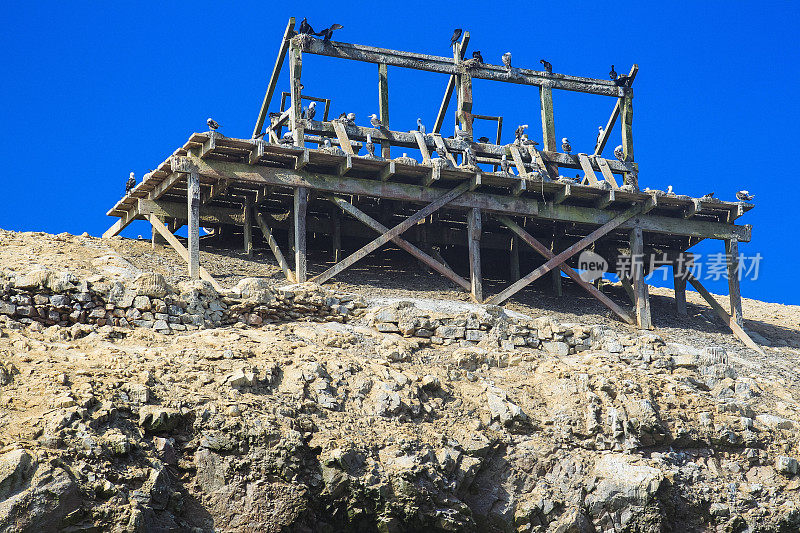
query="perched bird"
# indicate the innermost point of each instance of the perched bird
(600, 132)
(370, 146)
(483, 139)
(743, 196)
(305, 28)
(343, 116)
(618, 153)
(351, 118)
(461, 135)
(328, 32)
(565, 145)
(287, 138)
(504, 164)
(420, 126)
(519, 132)
(213, 124)
(669, 190)
(613, 74)
(469, 159)
(131, 183)
(707, 196)
(456, 36)
(622, 81)
(327, 143)
(547, 66)
(310, 111)
(507, 61)
(526, 141)
(376, 123)
(477, 55)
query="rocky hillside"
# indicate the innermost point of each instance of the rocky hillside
(132, 400)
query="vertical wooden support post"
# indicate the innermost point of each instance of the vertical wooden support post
(474, 228)
(464, 88)
(555, 274)
(679, 283)
(248, 228)
(300, 205)
(156, 237)
(548, 126)
(631, 178)
(336, 216)
(383, 105)
(514, 266)
(640, 291)
(732, 253)
(295, 115)
(193, 201)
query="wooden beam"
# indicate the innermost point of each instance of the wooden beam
(548, 126)
(513, 270)
(165, 185)
(383, 105)
(156, 238)
(626, 284)
(464, 111)
(122, 223)
(273, 79)
(736, 328)
(295, 70)
(440, 144)
(563, 256)
(300, 207)
(588, 171)
(276, 251)
(345, 166)
(248, 228)
(651, 203)
(627, 136)
(451, 83)
(732, 256)
(336, 234)
(562, 194)
(606, 170)
(209, 215)
(434, 206)
(558, 234)
(606, 199)
(640, 291)
(182, 251)
(438, 266)
(543, 250)
(423, 146)
(344, 140)
(387, 171)
(193, 211)
(518, 162)
(692, 210)
(600, 146)
(302, 159)
(679, 285)
(474, 228)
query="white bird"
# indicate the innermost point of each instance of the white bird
(618, 153)
(213, 124)
(370, 146)
(504, 164)
(669, 189)
(310, 111)
(376, 123)
(131, 183)
(519, 132)
(507, 61)
(420, 126)
(743, 196)
(327, 143)
(351, 118)
(600, 132)
(565, 145)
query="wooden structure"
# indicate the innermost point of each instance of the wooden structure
(451, 195)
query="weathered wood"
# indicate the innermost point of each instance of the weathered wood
(423, 146)
(474, 229)
(605, 200)
(344, 140)
(209, 215)
(598, 149)
(555, 274)
(606, 170)
(155, 238)
(302, 160)
(434, 206)
(562, 194)
(182, 251)
(627, 136)
(736, 328)
(122, 223)
(650, 203)
(345, 166)
(169, 182)
(514, 273)
(626, 284)
(640, 289)
(464, 111)
(586, 165)
(548, 126)
(276, 251)
(383, 103)
(732, 256)
(439, 143)
(295, 70)
(543, 250)
(563, 256)
(444, 65)
(451, 83)
(193, 212)
(273, 79)
(437, 265)
(387, 171)
(300, 207)
(248, 228)
(517, 157)
(679, 285)
(336, 235)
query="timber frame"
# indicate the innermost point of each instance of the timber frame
(458, 200)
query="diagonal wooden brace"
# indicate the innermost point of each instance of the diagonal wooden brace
(442, 269)
(276, 251)
(543, 250)
(394, 232)
(563, 256)
(181, 249)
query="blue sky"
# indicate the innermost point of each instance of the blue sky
(92, 91)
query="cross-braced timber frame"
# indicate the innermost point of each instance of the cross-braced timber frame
(457, 199)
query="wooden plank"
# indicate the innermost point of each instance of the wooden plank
(165, 185)
(440, 144)
(193, 201)
(387, 171)
(607, 174)
(276, 251)
(423, 146)
(336, 235)
(558, 234)
(732, 256)
(563, 256)
(598, 149)
(606, 199)
(679, 284)
(563, 193)
(640, 290)
(433, 176)
(344, 140)
(383, 105)
(209, 215)
(442, 200)
(345, 166)
(273, 79)
(517, 157)
(302, 159)
(248, 228)
(182, 251)
(736, 328)
(543, 250)
(300, 207)
(295, 70)
(438, 266)
(451, 83)
(631, 178)
(548, 126)
(122, 223)
(588, 171)
(650, 203)
(464, 111)
(626, 284)
(692, 210)
(474, 229)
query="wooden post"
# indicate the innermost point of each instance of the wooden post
(273, 80)
(514, 267)
(300, 205)
(193, 206)
(640, 291)
(732, 253)
(627, 136)
(383, 94)
(474, 228)
(464, 87)
(156, 237)
(336, 216)
(273, 244)
(679, 283)
(548, 126)
(558, 232)
(248, 228)
(296, 111)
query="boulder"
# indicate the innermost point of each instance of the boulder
(152, 285)
(622, 483)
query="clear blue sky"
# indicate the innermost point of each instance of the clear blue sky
(91, 91)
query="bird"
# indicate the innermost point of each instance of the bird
(305, 28)
(565, 145)
(213, 124)
(376, 123)
(327, 143)
(420, 126)
(287, 138)
(526, 141)
(613, 74)
(707, 196)
(328, 32)
(351, 118)
(131, 183)
(310, 111)
(622, 81)
(518, 132)
(618, 153)
(370, 146)
(600, 132)
(456, 36)
(669, 190)
(743, 196)
(547, 66)
(504, 164)
(483, 139)
(343, 116)
(507, 60)
(477, 55)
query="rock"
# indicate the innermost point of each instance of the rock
(142, 303)
(387, 327)
(719, 509)
(556, 348)
(774, 422)
(787, 466)
(241, 378)
(50, 496)
(612, 346)
(152, 285)
(16, 467)
(35, 279)
(387, 403)
(622, 483)
(573, 521)
(502, 409)
(62, 282)
(430, 383)
(157, 419)
(256, 290)
(450, 332)
(7, 308)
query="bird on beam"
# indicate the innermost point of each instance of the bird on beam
(743, 196)
(305, 28)
(213, 124)
(519, 132)
(477, 56)
(309, 112)
(547, 66)
(483, 140)
(613, 74)
(619, 153)
(375, 121)
(420, 126)
(327, 33)
(456, 36)
(131, 183)
(507, 61)
(565, 145)
(600, 132)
